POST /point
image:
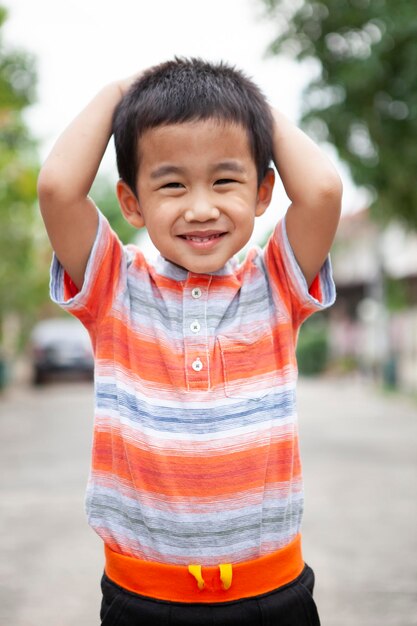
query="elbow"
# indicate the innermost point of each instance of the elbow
(330, 186)
(52, 191)
(46, 187)
(330, 192)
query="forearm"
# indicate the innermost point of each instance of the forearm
(72, 165)
(306, 173)
(315, 191)
(65, 180)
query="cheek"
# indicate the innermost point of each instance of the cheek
(246, 200)
(157, 212)
(164, 207)
(244, 213)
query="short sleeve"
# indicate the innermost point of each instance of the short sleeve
(288, 282)
(102, 278)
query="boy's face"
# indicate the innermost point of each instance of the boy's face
(197, 192)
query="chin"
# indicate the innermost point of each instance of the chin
(205, 268)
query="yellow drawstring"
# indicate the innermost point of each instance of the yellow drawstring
(226, 574)
(195, 570)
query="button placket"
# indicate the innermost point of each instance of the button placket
(195, 326)
(197, 365)
(195, 332)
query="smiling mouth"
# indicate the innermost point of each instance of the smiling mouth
(202, 239)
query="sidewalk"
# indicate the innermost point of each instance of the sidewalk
(360, 526)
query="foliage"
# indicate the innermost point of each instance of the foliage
(25, 253)
(312, 347)
(103, 194)
(363, 95)
(397, 297)
(21, 285)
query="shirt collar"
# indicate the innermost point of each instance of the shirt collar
(175, 272)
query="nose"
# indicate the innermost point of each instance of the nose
(201, 210)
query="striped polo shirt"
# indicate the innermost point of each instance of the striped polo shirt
(195, 450)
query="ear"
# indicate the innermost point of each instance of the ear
(265, 189)
(129, 205)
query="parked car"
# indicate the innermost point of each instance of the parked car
(60, 346)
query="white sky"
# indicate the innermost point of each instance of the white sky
(81, 45)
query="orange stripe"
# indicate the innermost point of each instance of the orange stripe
(141, 353)
(156, 362)
(174, 583)
(220, 475)
(135, 352)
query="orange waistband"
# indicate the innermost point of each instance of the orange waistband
(222, 583)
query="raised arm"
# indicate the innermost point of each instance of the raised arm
(315, 191)
(67, 175)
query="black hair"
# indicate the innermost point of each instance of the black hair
(184, 90)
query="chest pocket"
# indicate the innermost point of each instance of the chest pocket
(249, 364)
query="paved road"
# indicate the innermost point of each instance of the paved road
(360, 530)
(360, 464)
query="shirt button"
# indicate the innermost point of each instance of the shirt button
(197, 365)
(196, 292)
(195, 326)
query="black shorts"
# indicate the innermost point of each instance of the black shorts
(290, 605)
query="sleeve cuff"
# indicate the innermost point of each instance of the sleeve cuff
(322, 292)
(62, 290)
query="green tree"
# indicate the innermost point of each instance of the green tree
(22, 286)
(362, 97)
(103, 193)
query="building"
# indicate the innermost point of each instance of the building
(374, 322)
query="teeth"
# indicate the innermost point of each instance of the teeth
(201, 238)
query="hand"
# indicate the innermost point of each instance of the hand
(125, 83)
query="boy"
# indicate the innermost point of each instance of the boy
(195, 485)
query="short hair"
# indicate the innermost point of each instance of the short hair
(185, 90)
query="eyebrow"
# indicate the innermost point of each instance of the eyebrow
(165, 170)
(229, 166)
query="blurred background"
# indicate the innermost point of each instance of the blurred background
(345, 71)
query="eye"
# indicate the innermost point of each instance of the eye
(225, 181)
(172, 186)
